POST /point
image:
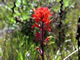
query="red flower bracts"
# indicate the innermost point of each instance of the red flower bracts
(47, 39)
(35, 25)
(37, 36)
(42, 14)
(42, 21)
(39, 50)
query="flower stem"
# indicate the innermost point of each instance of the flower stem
(42, 44)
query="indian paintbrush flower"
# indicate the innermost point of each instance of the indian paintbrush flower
(42, 15)
(42, 21)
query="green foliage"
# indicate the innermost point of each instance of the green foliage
(19, 41)
(21, 10)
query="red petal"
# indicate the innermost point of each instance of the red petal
(32, 27)
(44, 29)
(35, 25)
(37, 20)
(49, 28)
(37, 13)
(38, 35)
(44, 19)
(47, 39)
(41, 8)
(36, 38)
(34, 16)
(39, 50)
(47, 23)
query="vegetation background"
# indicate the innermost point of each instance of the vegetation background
(17, 38)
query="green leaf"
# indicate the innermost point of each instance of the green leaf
(58, 58)
(18, 3)
(66, 3)
(21, 57)
(57, 0)
(50, 43)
